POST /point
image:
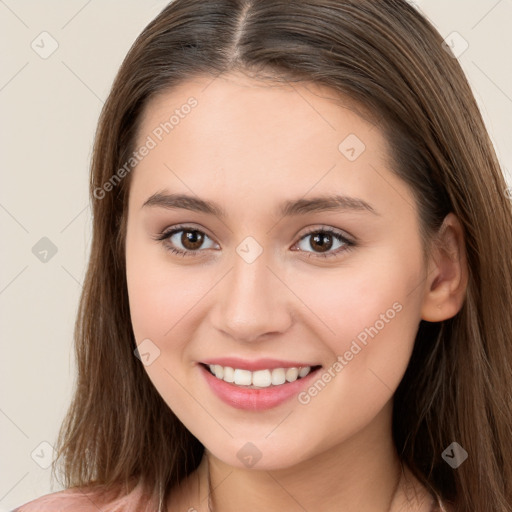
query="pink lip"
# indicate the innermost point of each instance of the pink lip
(255, 399)
(258, 364)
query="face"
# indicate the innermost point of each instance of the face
(310, 256)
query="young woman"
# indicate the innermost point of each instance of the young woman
(298, 295)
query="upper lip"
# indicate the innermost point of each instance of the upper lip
(257, 364)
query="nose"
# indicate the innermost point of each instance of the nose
(251, 302)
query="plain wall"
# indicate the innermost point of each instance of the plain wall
(49, 110)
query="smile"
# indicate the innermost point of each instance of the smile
(241, 393)
(258, 379)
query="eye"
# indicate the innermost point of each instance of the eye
(184, 240)
(188, 241)
(323, 240)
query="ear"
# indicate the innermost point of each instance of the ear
(447, 278)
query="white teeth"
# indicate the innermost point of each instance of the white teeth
(242, 377)
(229, 374)
(219, 371)
(262, 378)
(259, 378)
(278, 376)
(292, 374)
(304, 371)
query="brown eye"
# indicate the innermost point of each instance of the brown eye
(322, 241)
(185, 241)
(192, 240)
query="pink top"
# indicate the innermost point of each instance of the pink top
(82, 499)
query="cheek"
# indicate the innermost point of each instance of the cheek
(160, 294)
(368, 316)
(346, 303)
(374, 312)
(365, 371)
(160, 299)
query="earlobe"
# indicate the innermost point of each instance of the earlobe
(446, 283)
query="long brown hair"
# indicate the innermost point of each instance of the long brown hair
(391, 61)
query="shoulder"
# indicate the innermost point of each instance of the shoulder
(66, 500)
(90, 499)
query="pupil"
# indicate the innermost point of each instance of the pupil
(319, 240)
(192, 239)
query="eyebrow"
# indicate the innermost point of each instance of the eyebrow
(288, 208)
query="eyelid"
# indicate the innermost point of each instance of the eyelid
(309, 230)
(348, 240)
(329, 229)
(168, 232)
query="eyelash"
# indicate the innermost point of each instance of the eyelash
(166, 234)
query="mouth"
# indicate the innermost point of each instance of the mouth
(259, 379)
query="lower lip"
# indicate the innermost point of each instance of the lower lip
(255, 399)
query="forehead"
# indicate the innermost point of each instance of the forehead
(235, 136)
(233, 101)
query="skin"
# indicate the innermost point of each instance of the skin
(248, 146)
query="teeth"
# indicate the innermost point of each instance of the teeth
(259, 378)
(219, 370)
(229, 374)
(278, 376)
(304, 371)
(242, 377)
(292, 374)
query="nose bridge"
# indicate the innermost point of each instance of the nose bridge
(252, 301)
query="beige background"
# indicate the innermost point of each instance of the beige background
(49, 110)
